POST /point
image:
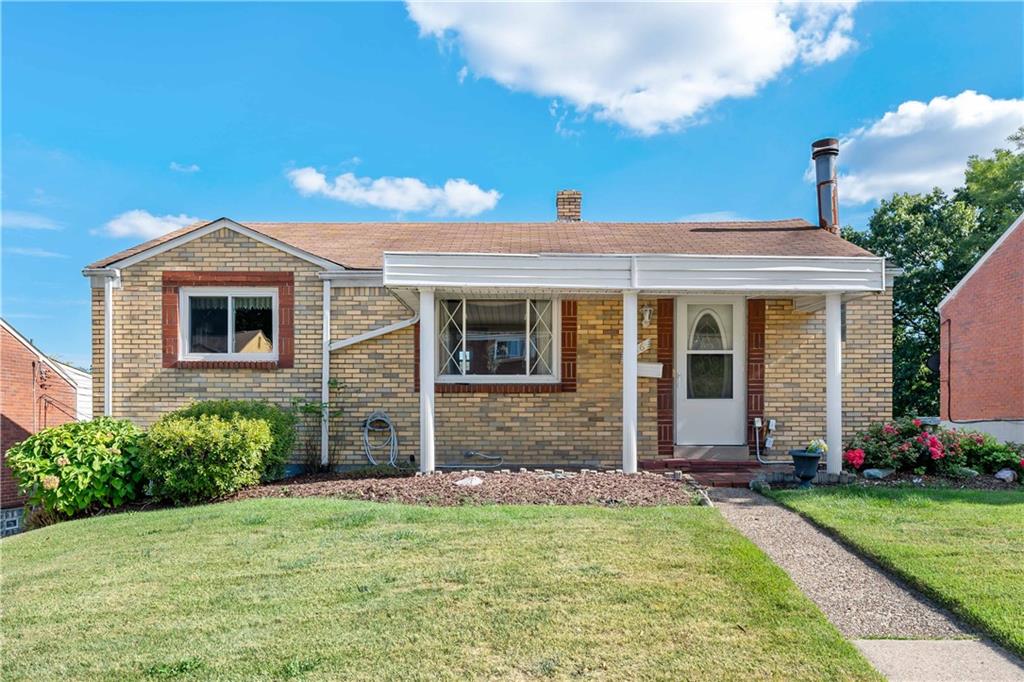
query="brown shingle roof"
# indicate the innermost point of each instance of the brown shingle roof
(361, 246)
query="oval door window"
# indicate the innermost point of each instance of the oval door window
(708, 373)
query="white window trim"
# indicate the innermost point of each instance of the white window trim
(556, 348)
(184, 323)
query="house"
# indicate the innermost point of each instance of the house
(565, 343)
(36, 392)
(981, 345)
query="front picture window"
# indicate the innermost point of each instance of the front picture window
(497, 338)
(228, 324)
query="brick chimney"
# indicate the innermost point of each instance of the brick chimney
(569, 205)
(825, 153)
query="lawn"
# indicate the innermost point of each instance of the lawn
(322, 589)
(964, 547)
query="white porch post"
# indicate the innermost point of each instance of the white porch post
(108, 346)
(325, 378)
(834, 382)
(629, 387)
(427, 371)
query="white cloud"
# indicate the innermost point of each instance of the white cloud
(651, 67)
(184, 168)
(34, 252)
(920, 146)
(405, 195)
(139, 223)
(25, 220)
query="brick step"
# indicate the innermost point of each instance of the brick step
(698, 465)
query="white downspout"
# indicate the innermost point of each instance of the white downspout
(374, 333)
(108, 346)
(325, 379)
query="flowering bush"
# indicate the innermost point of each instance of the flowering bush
(909, 445)
(854, 457)
(77, 467)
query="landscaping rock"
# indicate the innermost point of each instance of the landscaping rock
(444, 489)
(876, 474)
(1006, 475)
(759, 485)
(471, 481)
(965, 472)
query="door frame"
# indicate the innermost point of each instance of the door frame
(739, 377)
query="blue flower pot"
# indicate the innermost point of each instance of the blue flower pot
(805, 465)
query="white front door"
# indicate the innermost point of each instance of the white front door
(710, 361)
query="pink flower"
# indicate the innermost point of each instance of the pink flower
(854, 458)
(917, 423)
(936, 453)
(889, 429)
(904, 447)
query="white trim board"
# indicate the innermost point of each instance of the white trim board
(981, 261)
(220, 223)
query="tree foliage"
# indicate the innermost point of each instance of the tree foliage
(936, 238)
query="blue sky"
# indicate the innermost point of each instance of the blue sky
(122, 120)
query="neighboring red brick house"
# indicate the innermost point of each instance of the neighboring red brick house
(35, 392)
(982, 342)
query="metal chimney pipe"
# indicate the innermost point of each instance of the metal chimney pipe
(825, 154)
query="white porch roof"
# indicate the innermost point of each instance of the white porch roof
(650, 273)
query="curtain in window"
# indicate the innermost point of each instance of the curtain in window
(208, 317)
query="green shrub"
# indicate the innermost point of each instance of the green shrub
(281, 422)
(988, 454)
(80, 466)
(193, 459)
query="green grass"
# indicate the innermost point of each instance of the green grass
(322, 589)
(963, 547)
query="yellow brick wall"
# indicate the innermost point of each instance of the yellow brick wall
(144, 390)
(563, 429)
(794, 393)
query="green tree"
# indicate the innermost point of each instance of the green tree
(920, 233)
(995, 186)
(936, 238)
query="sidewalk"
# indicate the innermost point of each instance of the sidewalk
(903, 634)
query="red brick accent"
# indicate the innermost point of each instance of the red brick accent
(32, 397)
(569, 345)
(568, 352)
(981, 327)
(285, 283)
(666, 383)
(755, 365)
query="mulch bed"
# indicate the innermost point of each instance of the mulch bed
(980, 482)
(440, 489)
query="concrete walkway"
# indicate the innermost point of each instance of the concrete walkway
(903, 634)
